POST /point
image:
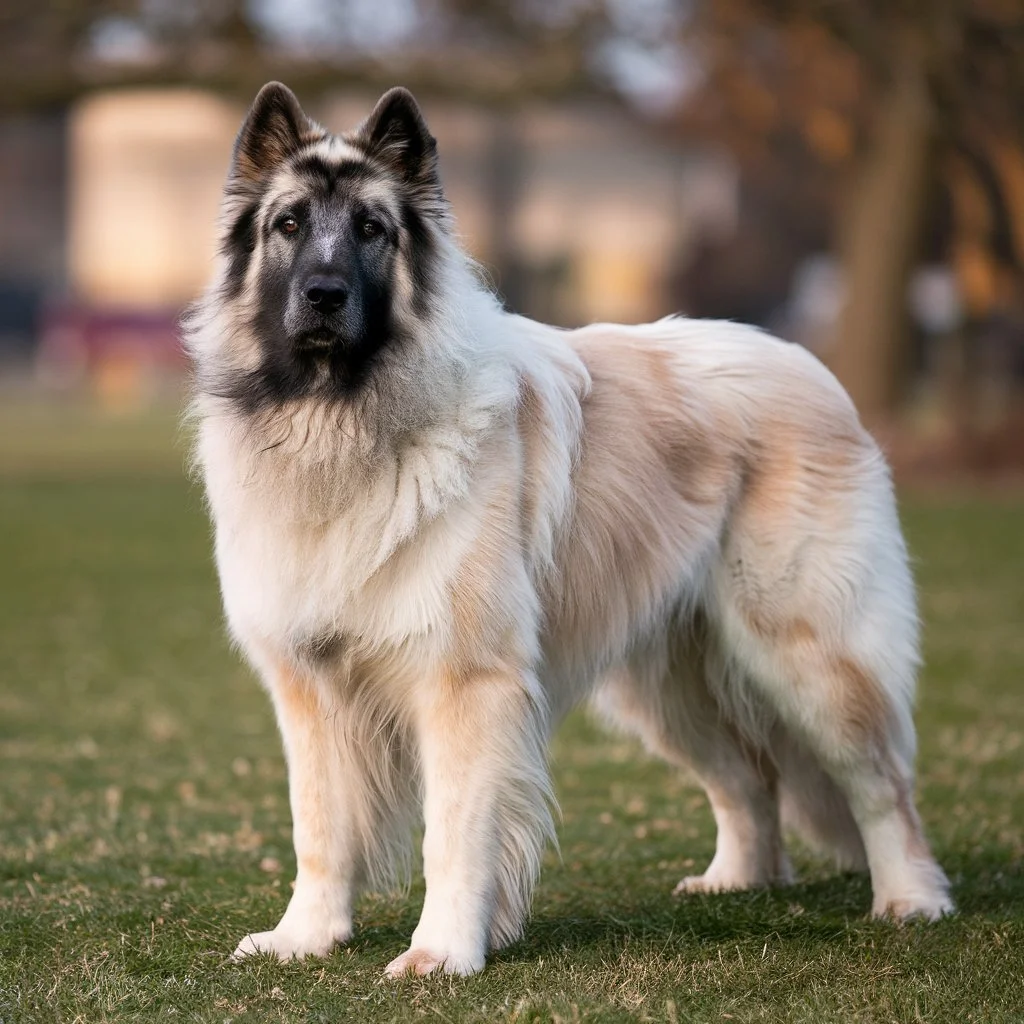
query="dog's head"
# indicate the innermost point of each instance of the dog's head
(329, 242)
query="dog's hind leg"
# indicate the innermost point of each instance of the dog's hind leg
(842, 711)
(662, 696)
(823, 625)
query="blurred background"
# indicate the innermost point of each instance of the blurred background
(848, 174)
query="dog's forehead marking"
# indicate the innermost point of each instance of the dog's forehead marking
(327, 242)
(292, 186)
(338, 149)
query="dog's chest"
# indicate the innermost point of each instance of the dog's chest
(299, 588)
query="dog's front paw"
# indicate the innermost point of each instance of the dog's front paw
(290, 944)
(425, 961)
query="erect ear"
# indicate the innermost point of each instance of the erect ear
(396, 135)
(273, 129)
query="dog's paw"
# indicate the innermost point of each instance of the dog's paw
(286, 944)
(920, 891)
(930, 907)
(737, 877)
(709, 883)
(425, 961)
(720, 881)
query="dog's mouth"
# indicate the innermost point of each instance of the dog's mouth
(321, 339)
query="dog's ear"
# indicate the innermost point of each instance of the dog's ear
(273, 129)
(396, 135)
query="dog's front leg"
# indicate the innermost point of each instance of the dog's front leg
(481, 741)
(319, 914)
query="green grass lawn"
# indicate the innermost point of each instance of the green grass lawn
(144, 823)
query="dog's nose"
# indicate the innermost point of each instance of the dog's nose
(326, 294)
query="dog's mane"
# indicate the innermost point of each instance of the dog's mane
(464, 370)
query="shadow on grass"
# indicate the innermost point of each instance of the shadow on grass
(811, 911)
(814, 911)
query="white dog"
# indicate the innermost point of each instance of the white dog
(440, 526)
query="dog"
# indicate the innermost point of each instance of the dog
(440, 526)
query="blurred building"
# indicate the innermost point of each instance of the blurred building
(579, 213)
(146, 170)
(110, 218)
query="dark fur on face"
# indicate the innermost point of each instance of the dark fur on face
(330, 247)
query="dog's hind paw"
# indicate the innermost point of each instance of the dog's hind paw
(424, 961)
(922, 908)
(718, 881)
(920, 893)
(737, 877)
(706, 883)
(284, 945)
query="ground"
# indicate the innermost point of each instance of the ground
(144, 823)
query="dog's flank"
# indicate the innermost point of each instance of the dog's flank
(440, 526)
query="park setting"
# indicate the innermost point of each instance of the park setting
(849, 177)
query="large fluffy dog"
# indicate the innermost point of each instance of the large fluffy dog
(440, 526)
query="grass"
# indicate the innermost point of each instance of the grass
(144, 824)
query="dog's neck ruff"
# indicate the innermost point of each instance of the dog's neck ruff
(402, 450)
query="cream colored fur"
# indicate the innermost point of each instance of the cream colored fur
(683, 522)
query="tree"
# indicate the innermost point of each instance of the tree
(51, 53)
(901, 99)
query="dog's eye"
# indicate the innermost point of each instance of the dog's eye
(288, 225)
(371, 228)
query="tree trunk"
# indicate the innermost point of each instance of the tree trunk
(879, 244)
